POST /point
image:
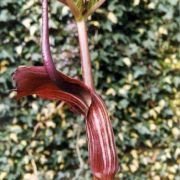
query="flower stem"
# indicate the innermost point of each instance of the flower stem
(46, 52)
(85, 56)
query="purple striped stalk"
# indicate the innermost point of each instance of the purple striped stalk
(48, 83)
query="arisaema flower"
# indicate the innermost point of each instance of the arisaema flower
(48, 83)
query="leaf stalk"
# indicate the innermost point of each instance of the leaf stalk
(85, 55)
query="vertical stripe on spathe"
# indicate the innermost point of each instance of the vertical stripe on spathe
(102, 150)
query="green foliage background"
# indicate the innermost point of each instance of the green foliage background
(134, 49)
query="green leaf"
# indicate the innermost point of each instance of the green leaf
(92, 6)
(142, 129)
